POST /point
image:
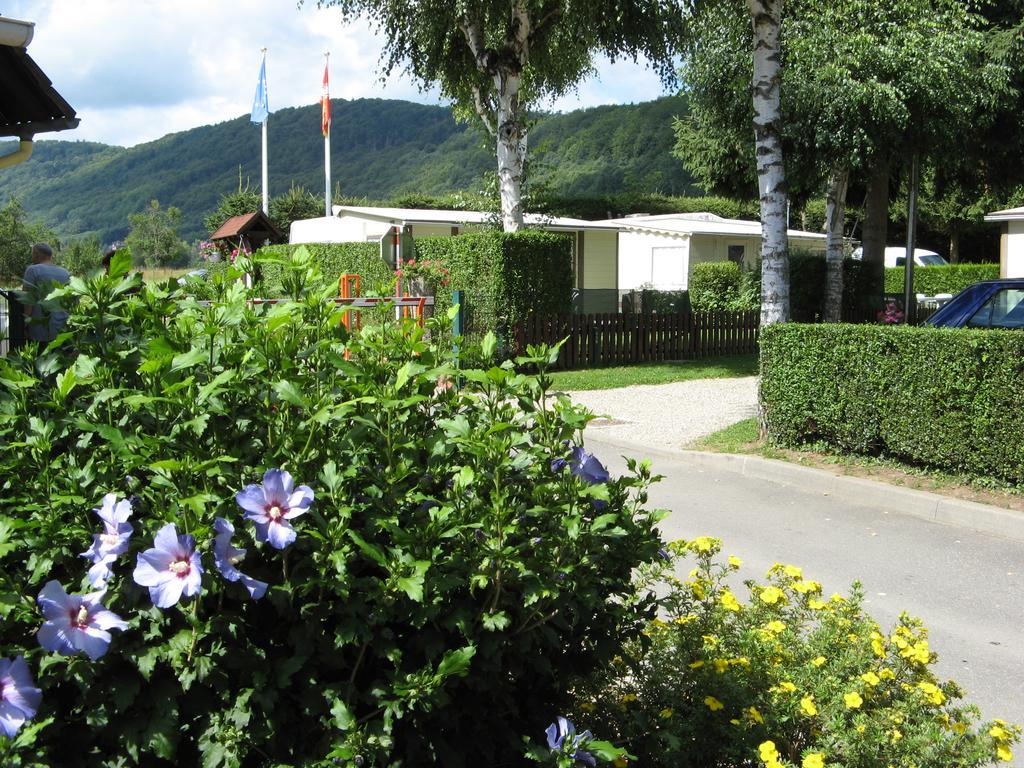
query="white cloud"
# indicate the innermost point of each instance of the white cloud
(136, 70)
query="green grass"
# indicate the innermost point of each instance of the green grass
(656, 373)
(736, 438)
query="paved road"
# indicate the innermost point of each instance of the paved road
(967, 587)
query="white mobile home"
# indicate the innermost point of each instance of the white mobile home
(1011, 241)
(595, 244)
(659, 251)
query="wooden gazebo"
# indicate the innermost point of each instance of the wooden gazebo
(247, 231)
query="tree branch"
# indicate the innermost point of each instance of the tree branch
(485, 110)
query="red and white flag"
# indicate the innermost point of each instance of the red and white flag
(325, 107)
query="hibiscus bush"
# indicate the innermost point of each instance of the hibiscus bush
(790, 677)
(233, 535)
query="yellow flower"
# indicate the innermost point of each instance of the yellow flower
(861, 728)
(588, 706)
(878, 648)
(853, 700)
(932, 692)
(768, 751)
(710, 641)
(787, 686)
(1003, 753)
(808, 707)
(837, 598)
(681, 620)
(772, 595)
(696, 664)
(814, 760)
(816, 605)
(734, 561)
(998, 733)
(896, 735)
(720, 665)
(960, 728)
(713, 704)
(729, 601)
(628, 698)
(703, 544)
(870, 678)
(775, 626)
(887, 674)
(697, 588)
(755, 715)
(804, 586)
(852, 637)
(666, 713)
(793, 572)
(818, 661)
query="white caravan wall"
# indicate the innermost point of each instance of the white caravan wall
(648, 259)
(1014, 249)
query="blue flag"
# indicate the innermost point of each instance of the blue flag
(260, 107)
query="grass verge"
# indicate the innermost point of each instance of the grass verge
(744, 437)
(656, 373)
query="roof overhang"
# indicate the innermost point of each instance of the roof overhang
(29, 104)
(1010, 214)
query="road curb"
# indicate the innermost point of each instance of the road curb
(934, 507)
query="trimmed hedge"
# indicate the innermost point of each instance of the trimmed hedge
(945, 398)
(932, 280)
(713, 285)
(505, 275)
(333, 261)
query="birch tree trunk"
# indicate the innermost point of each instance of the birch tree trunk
(766, 17)
(876, 225)
(835, 214)
(511, 140)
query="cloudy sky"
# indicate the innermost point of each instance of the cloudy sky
(136, 70)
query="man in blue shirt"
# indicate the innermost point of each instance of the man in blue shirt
(41, 277)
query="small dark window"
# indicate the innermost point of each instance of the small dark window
(901, 261)
(1005, 309)
(736, 253)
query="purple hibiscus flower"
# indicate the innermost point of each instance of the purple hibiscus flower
(583, 465)
(75, 622)
(227, 557)
(19, 698)
(273, 505)
(562, 734)
(112, 542)
(170, 569)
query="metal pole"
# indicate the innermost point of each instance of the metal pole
(909, 298)
(327, 143)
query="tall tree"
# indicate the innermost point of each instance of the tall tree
(492, 58)
(17, 236)
(153, 237)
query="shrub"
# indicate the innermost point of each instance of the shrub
(946, 398)
(713, 285)
(332, 261)
(456, 565)
(931, 280)
(788, 678)
(505, 275)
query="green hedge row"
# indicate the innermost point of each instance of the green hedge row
(932, 280)
(944, 398)
(505, 275)
(333, 261)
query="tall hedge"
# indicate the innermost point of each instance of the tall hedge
(944, 398)
(931, 280)
(713, 285)
(505, 275)
(333, 261)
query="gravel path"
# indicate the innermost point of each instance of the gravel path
(670, 415)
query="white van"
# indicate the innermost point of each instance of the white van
(896, 256)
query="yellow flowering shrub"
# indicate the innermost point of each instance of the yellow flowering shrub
(784, 678)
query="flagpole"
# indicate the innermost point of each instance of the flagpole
(327, 142)
(265, 184)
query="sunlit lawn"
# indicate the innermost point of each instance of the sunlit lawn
(657, 373)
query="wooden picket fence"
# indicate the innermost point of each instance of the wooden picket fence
(605, 339)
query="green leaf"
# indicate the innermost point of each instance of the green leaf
(457, 427)
(456, 662)
(66, 382)
(603, 521)
(343, 717)
(287, 391)
(488, 345)
(495, 622)
(374, 553)
(189, 359)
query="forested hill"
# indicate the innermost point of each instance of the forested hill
(379, 149)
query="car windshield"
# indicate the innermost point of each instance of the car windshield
(1005, 309)
(931, 260)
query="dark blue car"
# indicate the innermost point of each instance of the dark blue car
(991, 304)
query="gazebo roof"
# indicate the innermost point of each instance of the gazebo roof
(254, 226)
(28, 102)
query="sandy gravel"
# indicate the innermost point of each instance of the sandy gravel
(670, 415)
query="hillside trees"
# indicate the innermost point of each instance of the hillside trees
(492, 58)
(863, 85)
